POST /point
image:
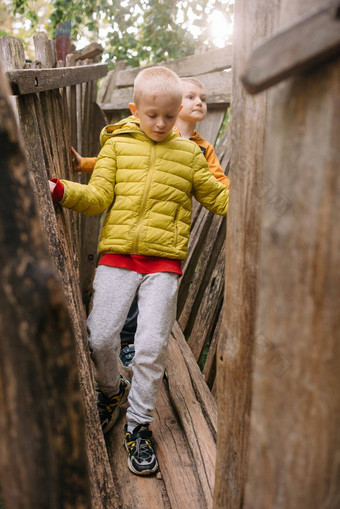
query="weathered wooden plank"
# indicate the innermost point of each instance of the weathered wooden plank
(211, 245)
(210, 127)
(202, 392)
(44, 50)
(30, 81)
(294, 438)
(134, 491)
(194, 65)
(207, 312)
(12, 53)
(310, 41)
(209, 369)
(43, 459)
(223, 151)
(60, 245)
(254, 20)
(199, 231)
(218, 86)
(177, 466)
(92, 50)
(109, 83)
(197, 430)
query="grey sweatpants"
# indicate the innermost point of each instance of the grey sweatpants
(114, 290)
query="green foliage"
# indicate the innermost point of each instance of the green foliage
(139, 31)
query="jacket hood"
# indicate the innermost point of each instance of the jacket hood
(126, 126)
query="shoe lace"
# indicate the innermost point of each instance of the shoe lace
(142, 444)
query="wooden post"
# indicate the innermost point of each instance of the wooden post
(43, 462)
(254, 19)
(44, 129)
(295, 439)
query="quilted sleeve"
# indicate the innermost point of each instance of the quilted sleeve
(206, 189)
(96, 196)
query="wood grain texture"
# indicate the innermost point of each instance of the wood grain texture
(45, 126)
(254, 20)
(42, 415)
(294, 440)
(30, 81)
(197, 429)
(308, 42)
(194, 65)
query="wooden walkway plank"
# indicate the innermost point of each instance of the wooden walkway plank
(197, 430)
(176, 485)
(176, 462)
(207, 313)
(134, 492)
(202, 392)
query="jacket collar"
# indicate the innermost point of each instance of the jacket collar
(129, 125)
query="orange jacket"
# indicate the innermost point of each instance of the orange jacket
(211, 157)
(87, 163)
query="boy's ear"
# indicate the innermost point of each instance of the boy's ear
(133, 109)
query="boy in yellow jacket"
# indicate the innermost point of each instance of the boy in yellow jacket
(144, 178)
(194, 110)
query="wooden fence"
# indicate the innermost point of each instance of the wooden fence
(278, 354)
(56, 107)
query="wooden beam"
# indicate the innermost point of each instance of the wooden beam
(30, 81)
(310, 41)
(254, 21)
(218, 85)
(90, 51)
(194, 65)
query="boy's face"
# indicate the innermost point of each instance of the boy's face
(194, 103)
(157, 114)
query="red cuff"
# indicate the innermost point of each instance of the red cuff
(58, 191)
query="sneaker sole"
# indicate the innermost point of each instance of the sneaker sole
(144, 472)
(115, 413)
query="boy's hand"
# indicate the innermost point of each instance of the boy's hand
(76, 160)
(52, 185)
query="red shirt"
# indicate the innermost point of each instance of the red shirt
(141, 264)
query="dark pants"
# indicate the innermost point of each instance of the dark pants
(127, 336)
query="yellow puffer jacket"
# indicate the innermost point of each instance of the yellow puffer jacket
(146, 188)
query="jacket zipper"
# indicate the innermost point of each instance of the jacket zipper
(176, 225)
(144, 200)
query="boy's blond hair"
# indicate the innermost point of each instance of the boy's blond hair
(157, 80)
(190, 79)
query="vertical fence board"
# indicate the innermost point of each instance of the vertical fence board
(295, 439)
(253, 21)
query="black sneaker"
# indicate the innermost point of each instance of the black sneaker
(126, 356)
(108, 408)
(142, 459)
